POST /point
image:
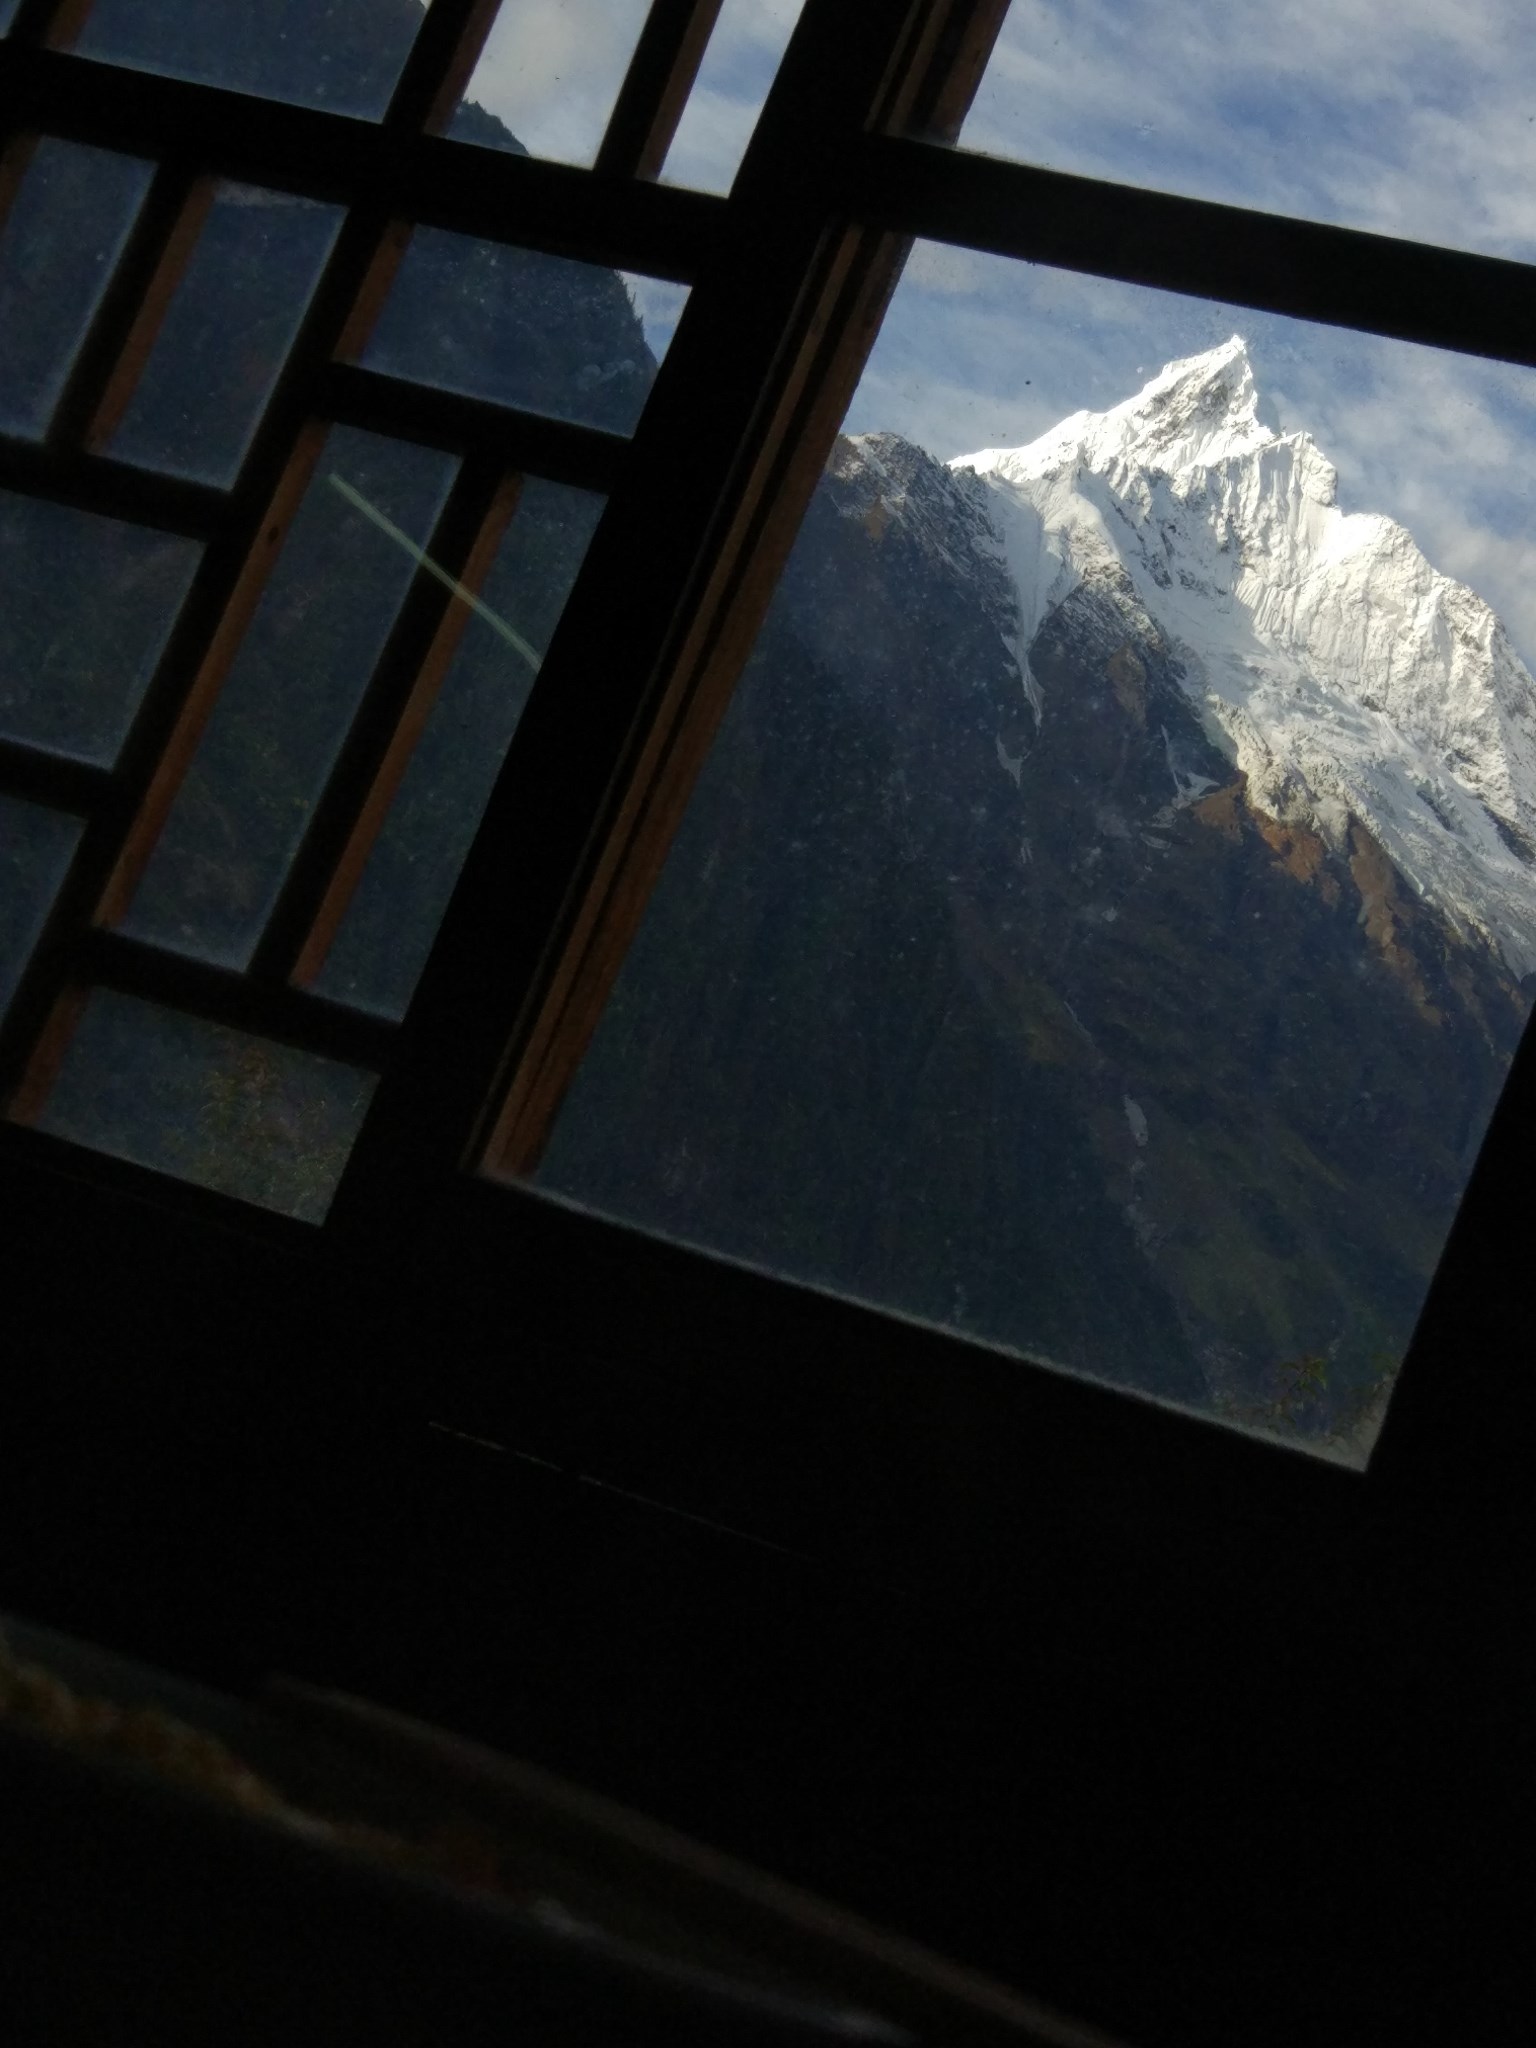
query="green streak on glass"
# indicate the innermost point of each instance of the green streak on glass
(420, 556)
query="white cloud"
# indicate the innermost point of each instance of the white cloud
(552, 71)
(1413, 119)
(739, 65)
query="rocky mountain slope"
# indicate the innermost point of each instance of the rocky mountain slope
(1100, 926)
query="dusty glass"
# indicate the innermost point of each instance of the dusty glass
(390, 923)
(548, 77)
(749, 39)
(545, 333)
(208, 1104)
(345, 55)
(290, 696)
(226, 333)
(1108, 913)
(36, 847)
(86, 606)
(59, 242)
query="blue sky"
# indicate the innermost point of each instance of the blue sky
(552, 70)
(1410, 117)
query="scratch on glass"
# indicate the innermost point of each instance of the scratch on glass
(418, 555)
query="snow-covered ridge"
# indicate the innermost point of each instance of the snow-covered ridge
(1336, 667)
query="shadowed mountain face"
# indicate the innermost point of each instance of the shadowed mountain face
(345, 55)
(1050, 1033)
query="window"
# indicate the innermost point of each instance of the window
(1101, 924)
(541, 589)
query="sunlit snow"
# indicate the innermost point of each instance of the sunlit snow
(1336, 667)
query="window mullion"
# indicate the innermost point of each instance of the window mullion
(656, 88)
(441, 61)
(681, 570)
(123, 332)
(1447, 298)
(351, 785)
(424, 177)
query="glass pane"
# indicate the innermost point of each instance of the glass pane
(573, 340)
(226, 333)
(290, 696)
(36, 847)
(390, 924)
(1107, 916)
(341, 54)
(86, 606)
(749, 39)
(1413, 122)
(64, 233)
(7, 14)
(208, 1104)
(549, 75)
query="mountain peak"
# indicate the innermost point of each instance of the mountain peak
(1195, 413)
(1338, 670)
(1197, 410)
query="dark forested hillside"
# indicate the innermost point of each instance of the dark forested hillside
(971, 1019)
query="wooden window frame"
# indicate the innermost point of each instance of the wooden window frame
(951, 1495)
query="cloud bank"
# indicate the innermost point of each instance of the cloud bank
(1413, 119)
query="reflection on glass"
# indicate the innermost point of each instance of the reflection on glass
(65, 231)
(539, 332)
(226, 333)
(1108, 913)
(208, 1104)
(390, 924)
(548, 77)
(342, 54)
(744, 51)
(290, 696)
(1415, 124)
(86, 605)
(36, 847)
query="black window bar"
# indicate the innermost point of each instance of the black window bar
(195, 134)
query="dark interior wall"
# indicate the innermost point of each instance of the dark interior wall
(1230, 1767)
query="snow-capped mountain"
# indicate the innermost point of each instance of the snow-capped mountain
(1339, 671)
(1099, 925)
